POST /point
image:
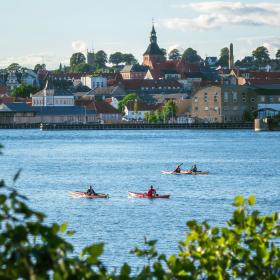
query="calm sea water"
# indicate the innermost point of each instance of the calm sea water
(240, 162)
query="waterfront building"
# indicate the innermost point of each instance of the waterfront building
(16, 112)
(105, 112)
(135, 110)
(50, 96)
(93, 82)
(223, 103)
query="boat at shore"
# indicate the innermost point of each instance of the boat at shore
(145, 195)
(185, 172)
(86, 195)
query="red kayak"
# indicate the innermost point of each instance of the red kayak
(86, 195)
(145, 195)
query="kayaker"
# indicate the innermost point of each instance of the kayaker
(90, 191)
(178, 169)
(151, 191)
(194, 168)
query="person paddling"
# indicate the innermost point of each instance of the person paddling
(194, 168)
(178, 169)
(151, 191)
(90, 191)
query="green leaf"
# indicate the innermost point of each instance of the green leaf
(238, 201)
(125, 270)
(63, 227)
(251, 200)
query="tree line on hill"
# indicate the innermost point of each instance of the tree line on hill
(260, 57)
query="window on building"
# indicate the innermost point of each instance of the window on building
(216, 109)
(271, 99)
(206, 108)
(252, 99)
(262, 98)
(243, 97)
(216, 97)
(234, 96)
(235, 108)
(205, 97)
(196, 108)
(226, 96)
(196, 99)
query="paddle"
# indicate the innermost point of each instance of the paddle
(178, 166)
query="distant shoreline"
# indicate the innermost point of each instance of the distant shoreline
(128, 126)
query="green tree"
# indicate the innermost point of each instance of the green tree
(169, 110)
(123, 102)
(101, 59)
(24, 91)
(190, 55)
(150, 117)
(38, 67)
(224, 57)
(83, 68)
(174, 54)
(129, 59)
(14, 67)
(248, 116)
(278, 54)
(116, 58)
(164, 52)
(76, 59)
(261, 55)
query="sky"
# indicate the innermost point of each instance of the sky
(49, 31)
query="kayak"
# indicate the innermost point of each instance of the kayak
(86, 195)
(145, 195)
(186, 172)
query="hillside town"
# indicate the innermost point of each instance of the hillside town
(163, 88)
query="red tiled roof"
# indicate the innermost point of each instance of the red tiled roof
(8, 99)
(3, 89)
(103, 107)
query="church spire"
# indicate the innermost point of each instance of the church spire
(153, 38)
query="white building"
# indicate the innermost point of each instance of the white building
(94, 81)
(135, 110)
(12, 81)
(52, 97)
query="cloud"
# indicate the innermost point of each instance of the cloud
(218, 14)
(273, 45)
(30, 60)
(79, 46)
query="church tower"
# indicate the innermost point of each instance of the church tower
(90, 58)
(153, 54)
